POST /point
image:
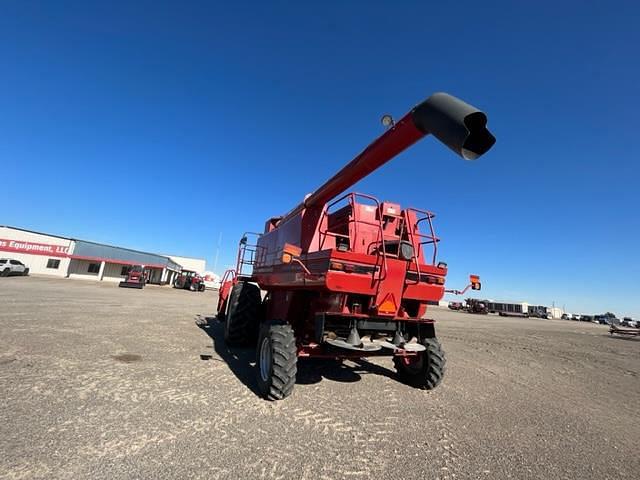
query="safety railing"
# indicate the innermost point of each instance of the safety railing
(247, 252)
(351, 198)
(228, 276)
(420, 240)
(429, 238)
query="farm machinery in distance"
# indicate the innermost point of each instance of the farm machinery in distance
(473, 305)
(627, 331)
(346, 275)
(189, 280)
(457, 306)
(136, 277)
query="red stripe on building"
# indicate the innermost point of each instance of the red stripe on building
(113, 260)
(45, 249)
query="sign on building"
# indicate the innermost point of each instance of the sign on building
(20, 246)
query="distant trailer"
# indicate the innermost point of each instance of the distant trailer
(540, 311)
(519, 309)
(633, 332)
(509, 309)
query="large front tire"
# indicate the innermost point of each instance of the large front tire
(243, 315)
(276, 360)
(425, 372)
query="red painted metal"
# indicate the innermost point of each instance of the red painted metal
(228, 280)
(136, 278)
(391, 143)
(315, 350)
(33, 248)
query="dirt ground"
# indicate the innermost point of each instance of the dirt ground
(106, 383)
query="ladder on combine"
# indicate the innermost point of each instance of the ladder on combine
(246, 259)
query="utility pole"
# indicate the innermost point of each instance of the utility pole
(215, 261)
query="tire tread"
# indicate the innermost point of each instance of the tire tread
(242, 318)
(284, 361)
(430, 375)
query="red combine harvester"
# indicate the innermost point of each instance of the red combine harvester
(349, 276)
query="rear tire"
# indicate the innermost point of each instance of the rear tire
(427, 371)
(276, 360)
(26, 272)
(243, 315)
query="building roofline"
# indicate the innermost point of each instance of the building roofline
(92, 242)
(121, 248)
(36, 232)
(183, 256)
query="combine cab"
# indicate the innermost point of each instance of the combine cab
(347, 275)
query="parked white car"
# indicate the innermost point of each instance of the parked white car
(9, 266)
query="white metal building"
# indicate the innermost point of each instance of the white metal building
(47, 254)
(198, 265)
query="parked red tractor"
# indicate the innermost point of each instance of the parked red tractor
(189, 280)
(350, 276)
(458, 306)
(135, 277)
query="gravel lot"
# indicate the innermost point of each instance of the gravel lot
(106, 383)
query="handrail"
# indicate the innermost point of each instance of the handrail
(432, 238)
(413, 231)
(243, 248)
(405, 223)
(230, 272)
(352, 196)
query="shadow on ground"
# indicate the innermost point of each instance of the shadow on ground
(241, 362)
(633, 338)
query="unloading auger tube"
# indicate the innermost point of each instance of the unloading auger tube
(455, 123)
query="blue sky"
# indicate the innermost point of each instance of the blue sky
(161, 125)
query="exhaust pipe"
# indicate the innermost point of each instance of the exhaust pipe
(460, 126)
